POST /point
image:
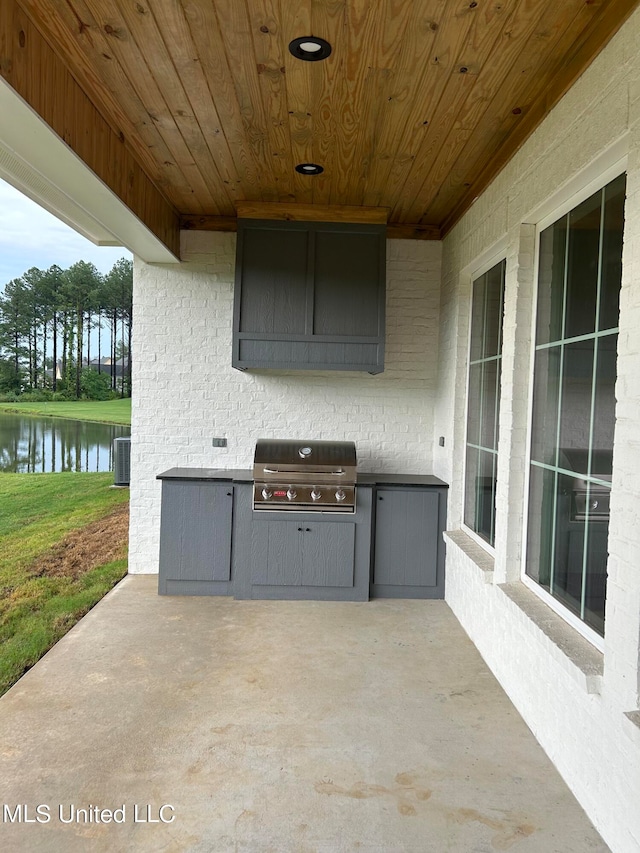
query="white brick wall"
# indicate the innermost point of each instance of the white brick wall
(186, 392)
(588, 735)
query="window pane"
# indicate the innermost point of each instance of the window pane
(540, 518)
(470, 486)
(486, 500)
(569, 546)
(551, 282)
(604, 411)
(475, 398)
(596, 579)
(546, 396)
(477, 318)
(480, 489)
(490, 378)
(582, 270)
(493, 323)
(612, 253)
(575, 416)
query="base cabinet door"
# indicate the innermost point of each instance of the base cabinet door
(408, 547)
(297, 556)
(328, 554)
(303, 554)
(276, 553)
(195, 538)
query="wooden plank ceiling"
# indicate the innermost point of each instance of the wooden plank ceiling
(419, 105)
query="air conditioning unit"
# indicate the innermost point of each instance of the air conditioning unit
(121, 461)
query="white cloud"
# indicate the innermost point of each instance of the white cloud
(31, 237)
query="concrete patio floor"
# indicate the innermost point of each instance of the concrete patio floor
(275, 727)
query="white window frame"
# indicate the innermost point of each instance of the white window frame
(489, 259)
(594, 179)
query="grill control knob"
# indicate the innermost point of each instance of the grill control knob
(315, 494)
(266, 494)
(340, 495)
(291, 494)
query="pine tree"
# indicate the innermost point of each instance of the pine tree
(48, 316)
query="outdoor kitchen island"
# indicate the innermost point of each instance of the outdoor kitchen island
(212, 541)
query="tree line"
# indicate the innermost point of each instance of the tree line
(59, 318)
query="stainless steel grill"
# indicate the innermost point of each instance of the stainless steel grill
(304, 476)
(591, 500)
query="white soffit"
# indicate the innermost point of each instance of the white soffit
(37, 162)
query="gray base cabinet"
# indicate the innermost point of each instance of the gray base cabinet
(195, 538)
(213, 543)
(321, 556)
(408, 548)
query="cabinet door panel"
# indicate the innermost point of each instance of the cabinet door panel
(195, 539)
(276, 556)
(274, 295)
(221, 544)
(347, 284)
(292, 553)
(406, 539)
(328, 554)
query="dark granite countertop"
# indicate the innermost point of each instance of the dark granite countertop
(226, 475)
(365, 479)
(245, 475)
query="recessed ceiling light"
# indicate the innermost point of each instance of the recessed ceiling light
(309, 169)
(309, 48)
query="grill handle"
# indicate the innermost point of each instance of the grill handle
(305, 472)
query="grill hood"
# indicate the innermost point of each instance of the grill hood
(317, 461)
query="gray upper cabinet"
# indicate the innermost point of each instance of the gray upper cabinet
(309, 295)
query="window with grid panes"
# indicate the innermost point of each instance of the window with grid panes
(483, 403)
(580, 269)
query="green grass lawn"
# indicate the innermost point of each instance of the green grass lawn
(108, 411)
(36, 512)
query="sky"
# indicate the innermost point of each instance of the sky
(31, 237)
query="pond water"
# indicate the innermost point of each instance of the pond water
(32, 444)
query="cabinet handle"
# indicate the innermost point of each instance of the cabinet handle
(299, 530)
(308, 529)
(229, 494)
(380, 498)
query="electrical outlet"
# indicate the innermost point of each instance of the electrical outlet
(219, 442)
(441, 441)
